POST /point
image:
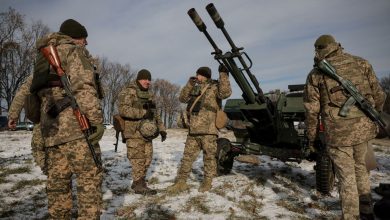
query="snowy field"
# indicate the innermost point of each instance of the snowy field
(270, 190)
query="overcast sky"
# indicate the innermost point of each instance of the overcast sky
(277, 35)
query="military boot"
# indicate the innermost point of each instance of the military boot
(365, 207)
(179, 186)
(140, 187)
(206, 185)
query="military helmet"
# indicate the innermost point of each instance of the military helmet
(148, 129)
(323, 41)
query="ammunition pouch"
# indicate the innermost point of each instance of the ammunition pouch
(59, 106)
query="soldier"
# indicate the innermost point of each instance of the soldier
(346, 137)
(66, 147)
(203, 97)
(37, 145)
(137, 107)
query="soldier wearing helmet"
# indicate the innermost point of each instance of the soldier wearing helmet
(346, 137)
(137, 107)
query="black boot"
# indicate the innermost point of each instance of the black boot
(140, 187)
(365, 207)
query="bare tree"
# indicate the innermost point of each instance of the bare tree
(17, 51)
(167, 97)
(385, 83)
(114, 77)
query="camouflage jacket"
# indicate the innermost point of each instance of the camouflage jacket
(203, 121)
(131, 110)
(75, 61)
(18, 101)
(324, 96)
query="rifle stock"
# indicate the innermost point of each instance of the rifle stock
(51, 54)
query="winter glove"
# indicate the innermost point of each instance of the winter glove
(163, 136)
(193, 80)
(148, 105)
(96, 136)
(222, 68)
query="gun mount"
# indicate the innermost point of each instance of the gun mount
(264, 124)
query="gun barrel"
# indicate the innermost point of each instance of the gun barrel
(215, 15)
(196, 19)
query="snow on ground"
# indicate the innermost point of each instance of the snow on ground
(270, 190)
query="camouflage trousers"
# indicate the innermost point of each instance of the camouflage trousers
(350, 167)
(139, 153)
(63, 161)
(38, 147)
(194, 144)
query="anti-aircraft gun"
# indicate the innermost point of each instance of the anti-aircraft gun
(263, 126)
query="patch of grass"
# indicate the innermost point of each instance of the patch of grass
(153, 180)
(292, 207)
(198, 203)
(261, 180)
(5, 172)
(251, 207)
(154, 211)
(221, 190)
(26, 183)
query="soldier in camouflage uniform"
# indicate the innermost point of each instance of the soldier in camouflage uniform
(136, 106)
(202, 132)
(346, 137)
(67, 150)
(37, 145)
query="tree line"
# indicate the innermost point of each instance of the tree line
(17, 59)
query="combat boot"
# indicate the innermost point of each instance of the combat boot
(205, 186)
(179, 186)
(365, 207)
(140, 187)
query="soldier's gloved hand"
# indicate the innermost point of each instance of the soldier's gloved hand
(193, 80)
(96, 136)
(149, 105)
(222, 68)
(163, 136)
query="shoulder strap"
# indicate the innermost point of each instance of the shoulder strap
(197, 98)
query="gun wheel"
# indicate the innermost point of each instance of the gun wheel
(325, 177)
(224, 156)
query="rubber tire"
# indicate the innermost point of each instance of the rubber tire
(325, 177)
(225, 157)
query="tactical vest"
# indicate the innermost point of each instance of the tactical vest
(195, 92)
(334, 94)
(42, 76)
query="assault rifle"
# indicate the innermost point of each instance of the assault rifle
(355, 97)
(50, 53)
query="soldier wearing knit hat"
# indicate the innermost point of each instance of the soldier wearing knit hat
(73, 29)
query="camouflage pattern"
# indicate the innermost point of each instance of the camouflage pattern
(139, 149)
(67, 150)
(203, 121)
(202, 133)
(77, 65)
(89, 180)
(194, 144)
(130, 108)
(37, 144)
(353, 177)
(356, 127)
(347, 137)
(139, 153)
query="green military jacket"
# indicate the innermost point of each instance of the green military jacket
(75, 61)
(131, 110)
(324, 96)
(203, 122)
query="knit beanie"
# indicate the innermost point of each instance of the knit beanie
(73, 29)
(144, 74)
(204, 71)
